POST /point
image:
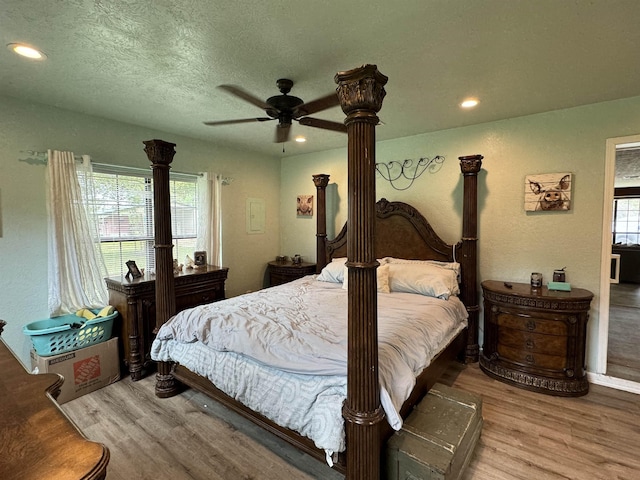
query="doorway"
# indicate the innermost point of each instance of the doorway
(619, 356)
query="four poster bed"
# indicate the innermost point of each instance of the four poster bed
(350, 354)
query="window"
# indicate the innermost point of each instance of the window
(626, 220)
(122, 209)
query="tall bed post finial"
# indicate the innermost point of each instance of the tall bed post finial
(160, 154)
(321, 180)
(361, 92)
(470, 167)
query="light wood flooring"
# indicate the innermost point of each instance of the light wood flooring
(525, 436)
(623, 351)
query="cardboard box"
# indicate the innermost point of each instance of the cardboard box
(84, 370)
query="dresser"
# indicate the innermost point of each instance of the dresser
(536, 338)
(135, 300)
(283, 272)
(37, 440)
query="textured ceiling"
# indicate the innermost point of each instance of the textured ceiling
(157, 63)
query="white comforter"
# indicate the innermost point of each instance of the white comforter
(299, 331)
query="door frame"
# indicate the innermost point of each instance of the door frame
(599, 376)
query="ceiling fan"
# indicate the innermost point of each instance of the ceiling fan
(285, 108)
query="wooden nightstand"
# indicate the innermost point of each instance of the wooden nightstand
(283, 272)
(135, 300)
(536, 338)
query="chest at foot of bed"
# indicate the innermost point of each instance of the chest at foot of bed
(438, 438)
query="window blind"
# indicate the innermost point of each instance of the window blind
(120, 202)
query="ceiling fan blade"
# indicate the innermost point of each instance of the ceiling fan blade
(326, 124)
(243, 120)
(317, 105)
(283, 130)
(246, 96)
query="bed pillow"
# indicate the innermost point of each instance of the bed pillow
(382, 278)
(428, 279)
(455, 266)
(334, 271)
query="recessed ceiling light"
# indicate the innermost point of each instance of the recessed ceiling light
(300, 139)
(469, 103)
(27, 51)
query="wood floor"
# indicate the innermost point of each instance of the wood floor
(525, 436)
(623, 354)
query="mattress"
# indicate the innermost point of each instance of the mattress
(282, 351)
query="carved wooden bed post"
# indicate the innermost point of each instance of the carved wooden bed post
(360, 92)
(160, 154)
(470, 166)
(321, 181)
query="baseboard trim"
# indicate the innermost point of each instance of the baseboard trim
(613, 382)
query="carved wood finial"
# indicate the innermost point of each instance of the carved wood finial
(470, 164)
(159, 152)
(361, 91)
(321, 180)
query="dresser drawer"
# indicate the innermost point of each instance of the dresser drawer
(536, 360)
(531, 324)
(533, 342)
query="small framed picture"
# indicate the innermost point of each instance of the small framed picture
(200, 258)
(304, 206)
(134, 271)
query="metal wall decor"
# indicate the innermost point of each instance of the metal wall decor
(406, 172)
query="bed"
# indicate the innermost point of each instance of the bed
(377, 235)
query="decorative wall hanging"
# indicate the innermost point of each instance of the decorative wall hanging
(304, 206)
(394, 171)
(547, 192)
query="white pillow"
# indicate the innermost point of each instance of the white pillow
(455, 266)
(382, 278)
(334, 271)
(428, 279)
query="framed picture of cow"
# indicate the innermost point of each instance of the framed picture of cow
(547, 192)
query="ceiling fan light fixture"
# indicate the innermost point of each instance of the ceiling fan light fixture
(469, 103)
(301, 139)
(27, 51)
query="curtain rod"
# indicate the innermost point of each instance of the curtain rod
(40, 158)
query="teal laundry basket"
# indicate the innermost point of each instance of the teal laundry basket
(68, 332)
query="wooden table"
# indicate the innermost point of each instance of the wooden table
(535, 338)
(284, 272)
(37, 440)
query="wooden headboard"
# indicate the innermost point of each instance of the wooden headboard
(401, 231)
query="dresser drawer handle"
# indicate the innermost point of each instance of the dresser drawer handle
(529, 359)
(531, 325)
(530, 344)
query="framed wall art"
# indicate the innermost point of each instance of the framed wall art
(304, 206)
(548, 192)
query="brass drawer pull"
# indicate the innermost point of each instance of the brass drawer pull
(530, 359)
(530, 343)
(531, 325)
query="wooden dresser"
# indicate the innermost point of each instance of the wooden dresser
(135, 300)
(283, 272)
(37, 440)
(536, 338)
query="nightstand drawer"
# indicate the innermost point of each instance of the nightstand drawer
(536, 360)
(531, 324)
(533, 342)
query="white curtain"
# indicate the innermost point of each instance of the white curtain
(75, 264)
(210, 221)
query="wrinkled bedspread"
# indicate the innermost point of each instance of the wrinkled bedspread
(282, 351)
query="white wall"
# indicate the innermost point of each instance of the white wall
(512, 242)
(23, 224)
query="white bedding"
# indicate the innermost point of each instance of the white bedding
(282, 351)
